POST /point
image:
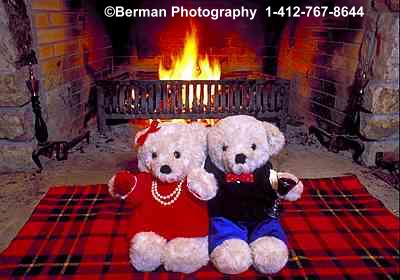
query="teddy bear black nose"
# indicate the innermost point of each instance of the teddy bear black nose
(240, 158)
(165, 169)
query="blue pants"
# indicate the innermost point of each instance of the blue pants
(222, 229)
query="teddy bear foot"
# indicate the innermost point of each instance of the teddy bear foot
(270, 254)
(186, 254)
(146, 251)
(233, 256)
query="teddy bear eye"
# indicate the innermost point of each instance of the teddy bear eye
(177, 154)
(153, 155)
(254, 147)
(224, 148)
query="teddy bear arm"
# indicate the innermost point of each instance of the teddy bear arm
(202, 184)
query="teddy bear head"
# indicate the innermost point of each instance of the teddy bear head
(241, 144)
(170, 151)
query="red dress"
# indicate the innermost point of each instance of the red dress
(186, 217)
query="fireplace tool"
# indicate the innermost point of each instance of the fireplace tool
(44, 147)
(351, 138)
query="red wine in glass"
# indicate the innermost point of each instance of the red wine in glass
(284, 187)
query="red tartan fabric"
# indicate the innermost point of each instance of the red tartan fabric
(336, 231)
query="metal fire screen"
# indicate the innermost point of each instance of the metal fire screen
(133, 99)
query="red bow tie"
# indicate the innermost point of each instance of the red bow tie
(242, 178)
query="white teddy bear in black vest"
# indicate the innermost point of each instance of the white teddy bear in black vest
(244, 230)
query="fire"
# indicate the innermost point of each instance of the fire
(189, 65)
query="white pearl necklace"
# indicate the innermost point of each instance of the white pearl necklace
(166, 200)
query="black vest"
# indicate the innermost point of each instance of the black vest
(248, 202)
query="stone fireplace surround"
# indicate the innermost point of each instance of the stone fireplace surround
(75, 48)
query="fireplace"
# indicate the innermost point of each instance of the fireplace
(336, 75)
(192, 100)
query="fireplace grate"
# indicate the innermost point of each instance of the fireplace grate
(136, 99)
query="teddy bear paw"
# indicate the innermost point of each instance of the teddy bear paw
(233, 256)
(186, 254)
(146, 251)
(270, 254)
(122, 184)
(202, 184)
(295, 193)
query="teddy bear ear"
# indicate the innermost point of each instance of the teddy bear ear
(275, 137)
(199, 131)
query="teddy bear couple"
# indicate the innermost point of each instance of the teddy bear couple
(204, 193)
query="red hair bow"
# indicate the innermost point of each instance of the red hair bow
(153, 128)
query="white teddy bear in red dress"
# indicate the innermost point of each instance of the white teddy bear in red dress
(169, 222)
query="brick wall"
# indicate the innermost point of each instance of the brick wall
(234, 55)
(240, 47)
(73, 51)
(322, 56)
(326, 57)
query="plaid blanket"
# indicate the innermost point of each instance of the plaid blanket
(336, 231)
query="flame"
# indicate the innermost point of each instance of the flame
(189, 65)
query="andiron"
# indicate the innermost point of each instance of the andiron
(44, 147)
